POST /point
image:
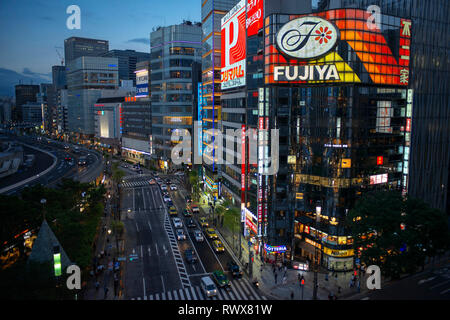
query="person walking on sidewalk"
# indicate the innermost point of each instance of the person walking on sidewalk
(292, 295)
(276, 276)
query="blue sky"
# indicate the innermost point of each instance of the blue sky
(30, 29)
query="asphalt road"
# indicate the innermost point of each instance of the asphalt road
(63, 168)
(155, 259)
(428, 285)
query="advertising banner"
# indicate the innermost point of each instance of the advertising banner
(142, 83)
(338, 46)
(255, 17)
(233, 47)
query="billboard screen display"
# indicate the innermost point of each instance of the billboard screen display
(337, 46)
(255, 17)
(142, 83)
(233, 47)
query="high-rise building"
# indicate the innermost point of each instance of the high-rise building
(173, 50)
(212, 13)
(59, 77)
(24, 93)
(341, 105)
(127, 62)
(75, 47)
(136, 119)
(86, 78)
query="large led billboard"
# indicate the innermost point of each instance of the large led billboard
(142, 83)
(337, 46)
(255, 17)
(233, 52)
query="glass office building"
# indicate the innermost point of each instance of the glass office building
(173, 49)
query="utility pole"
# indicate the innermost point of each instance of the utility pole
(316, 255)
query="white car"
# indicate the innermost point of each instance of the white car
(179, 173)
(198, 236)
(166, 198)
(180, 234)
(173, 187)
(163, 187)
(177, 223)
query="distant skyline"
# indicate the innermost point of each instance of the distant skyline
(30, 29)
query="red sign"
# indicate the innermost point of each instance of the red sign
(254, 21)
(379, 160)
(233, 47)
(408, 125)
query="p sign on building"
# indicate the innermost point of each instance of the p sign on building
(233, 47)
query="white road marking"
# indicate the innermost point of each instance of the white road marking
(156, 246)
(440, 284)
(137, 227)
(445, 291)
(149, 251)
(142, 252)
(425, 280)
(162, 280)
(143, 281)
(149, 225)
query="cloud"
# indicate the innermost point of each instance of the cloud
(28, 72)
(140, 40)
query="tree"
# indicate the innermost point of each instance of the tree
(396, 234)
(194, 182)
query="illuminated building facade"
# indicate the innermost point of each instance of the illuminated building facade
(342, 104)
(212, 13)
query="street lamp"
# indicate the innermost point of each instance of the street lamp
(43, 202)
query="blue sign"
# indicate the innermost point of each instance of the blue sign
(200, 118)
(275, 248)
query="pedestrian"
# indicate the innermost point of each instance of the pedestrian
(285, 269)
(292, 295)
(339, 289)
(284, 279)
(97, 285)
(106, 292)
(276, 275)
(261, 269)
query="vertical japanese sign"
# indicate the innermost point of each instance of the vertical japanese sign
(200, 118)
(233, 47)
(404, 50)
(255, 16)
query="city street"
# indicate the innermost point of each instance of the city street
(156, 267)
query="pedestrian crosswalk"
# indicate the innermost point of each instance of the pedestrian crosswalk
(132, 184)
(240, 289)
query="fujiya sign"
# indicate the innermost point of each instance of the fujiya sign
(307, 37)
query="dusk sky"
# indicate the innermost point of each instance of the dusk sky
(30, 29)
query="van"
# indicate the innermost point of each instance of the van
(208, 287)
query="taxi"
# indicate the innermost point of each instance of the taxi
(173, 211)
(203, 222)
(218, 246)
(211, 233)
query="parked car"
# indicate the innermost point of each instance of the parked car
(173, 187)
(190, 223)
(203, 222)
(180, 234)
(221, 279)
(177, 223)
(234, 269)
(190, 256)
(198, 236)
(218, 246)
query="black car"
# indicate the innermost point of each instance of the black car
(234, 269)
(190, 256)
(168, 181)
(190, 223)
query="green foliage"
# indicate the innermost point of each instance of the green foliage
(376, 225)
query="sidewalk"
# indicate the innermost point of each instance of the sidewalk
(106, 244)
(282, 283)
